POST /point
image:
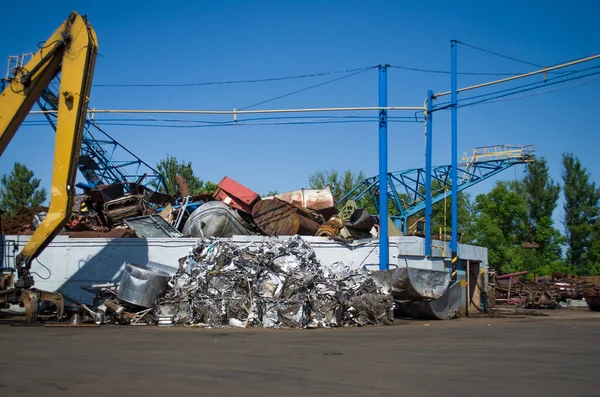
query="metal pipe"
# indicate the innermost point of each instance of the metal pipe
(454, 171)
(239, 112)
(384, 240)
(468, 287)
(428, 166)
(504, 276)
(545, 70)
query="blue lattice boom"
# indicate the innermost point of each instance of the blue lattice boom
(102, 160)
(406, 189)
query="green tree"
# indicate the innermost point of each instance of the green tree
(208, 187)
(441, 212)
(501, 226)
(594, 269)
(541, 194)
(271, 193)
(170, 167)
(20, 189)
(581, 215)
(341, 183)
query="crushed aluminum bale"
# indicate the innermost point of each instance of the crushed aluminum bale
(272, 284)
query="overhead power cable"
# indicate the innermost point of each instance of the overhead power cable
(533, 84)
(570, 87)
(448, 72)
(302, 76)
(507, 57)
(500, 55)
(494, 98)
(241, 123)
(307, 88)
(545, 83)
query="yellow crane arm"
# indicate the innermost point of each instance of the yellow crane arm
(71, 50)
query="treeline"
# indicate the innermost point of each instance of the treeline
(515, 219)
(515, 222)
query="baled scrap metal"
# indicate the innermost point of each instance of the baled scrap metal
(278, 283)
(368, 309)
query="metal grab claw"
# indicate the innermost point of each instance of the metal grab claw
(30, 298)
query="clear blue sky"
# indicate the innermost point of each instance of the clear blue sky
(150, 42)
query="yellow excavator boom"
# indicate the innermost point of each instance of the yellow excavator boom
(71, 50)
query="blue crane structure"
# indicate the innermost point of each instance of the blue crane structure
(102, 160)
(406, 189)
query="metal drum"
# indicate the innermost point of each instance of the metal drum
(141, 286)
(215, 219)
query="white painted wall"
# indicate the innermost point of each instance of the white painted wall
(69, 263)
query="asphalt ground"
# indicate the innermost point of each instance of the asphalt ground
(515, 356)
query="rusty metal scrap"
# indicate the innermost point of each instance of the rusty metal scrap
(104, 193)
(542, 292)
(320, 200)
(591, 291)
(236, 195)
(116, 211)
(331, 228)
(275, 217)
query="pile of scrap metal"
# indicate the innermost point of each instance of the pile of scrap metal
(539, 293)
(104, 210)
(592, 298)
(273, 284)
(240, 211)
(129, 302)
(133, 210)
(22, 221)
(591, 291)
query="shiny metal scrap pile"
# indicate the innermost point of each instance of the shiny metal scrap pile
(274, 284)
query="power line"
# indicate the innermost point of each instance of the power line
(302, 76)
(492, 100)
(527, 89)
(544, 83)
(537, 83)
(238, 113)
(307, 88)
(500, 55)
(494, 96)
(543, 71)
(124, 123)
(447, 72)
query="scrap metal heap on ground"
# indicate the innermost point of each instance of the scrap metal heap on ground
(275, 283)
(272, 284)
(547, 292)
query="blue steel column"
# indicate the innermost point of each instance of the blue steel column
(428, 161)
(454, 175)
(384, 240)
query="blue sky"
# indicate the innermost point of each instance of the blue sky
(149, 42)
